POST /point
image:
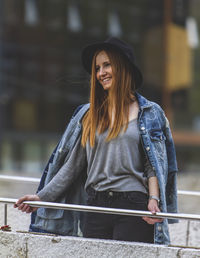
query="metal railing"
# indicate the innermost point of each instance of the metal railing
(19, 179)
(189, 193)
(84, 208)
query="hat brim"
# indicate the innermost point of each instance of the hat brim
(89, 51)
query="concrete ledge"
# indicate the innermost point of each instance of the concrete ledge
(185, 233)
(25, 245)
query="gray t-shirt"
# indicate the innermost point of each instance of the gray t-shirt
(117, 165)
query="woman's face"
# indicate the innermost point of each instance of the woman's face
(104, 70)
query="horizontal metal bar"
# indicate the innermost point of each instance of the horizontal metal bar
(19, 179)
(37, 180)
(191, 193)
(75, 207)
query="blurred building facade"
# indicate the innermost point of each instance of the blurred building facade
(42, 80)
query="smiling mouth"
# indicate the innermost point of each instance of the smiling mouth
(106, 80)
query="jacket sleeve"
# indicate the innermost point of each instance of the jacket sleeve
(46, 170)
(66, 175)
(171, 186)
(148, 171)
(171, 153)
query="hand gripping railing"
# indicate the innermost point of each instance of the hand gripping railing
(126, 212)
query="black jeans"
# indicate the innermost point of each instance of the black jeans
(118, 227)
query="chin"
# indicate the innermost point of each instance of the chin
(107, 87)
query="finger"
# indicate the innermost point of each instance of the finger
(26, 206)
(150, 220)
(21, 200)
(153, 209)
(147, 220)
(29, 210)
(153, 221)
(34, 209)
(20, 207)
(156, 209)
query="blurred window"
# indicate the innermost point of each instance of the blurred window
(42, 80)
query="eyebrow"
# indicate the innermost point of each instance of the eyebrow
(104, 62)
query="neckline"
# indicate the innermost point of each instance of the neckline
(132, 120)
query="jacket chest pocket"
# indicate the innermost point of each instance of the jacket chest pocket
(158, 141)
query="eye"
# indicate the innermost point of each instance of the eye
(107, 64)
(97, 69)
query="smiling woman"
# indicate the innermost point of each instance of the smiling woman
(111, 159)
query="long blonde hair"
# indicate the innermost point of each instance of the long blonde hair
(118, 98)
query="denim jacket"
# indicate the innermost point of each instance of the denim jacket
(159, 147)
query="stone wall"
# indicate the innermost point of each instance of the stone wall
(33, 246)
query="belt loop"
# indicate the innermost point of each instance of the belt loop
(92, 192)
(124, 194)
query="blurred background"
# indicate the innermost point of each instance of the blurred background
(42, 80)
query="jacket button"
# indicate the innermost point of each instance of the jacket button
(142, 128)
(148, 148)
(159, 228)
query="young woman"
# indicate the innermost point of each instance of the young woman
(124, 144)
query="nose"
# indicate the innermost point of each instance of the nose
(102, 71)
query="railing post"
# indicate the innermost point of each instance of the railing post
(188, 232)
(5, 213)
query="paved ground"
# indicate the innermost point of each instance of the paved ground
(16, 219)
(189, 181)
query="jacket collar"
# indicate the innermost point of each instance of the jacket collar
(142, 101)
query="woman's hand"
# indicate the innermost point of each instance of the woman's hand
(153, 208)
(25, 207)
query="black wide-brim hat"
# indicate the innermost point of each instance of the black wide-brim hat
(120, 46)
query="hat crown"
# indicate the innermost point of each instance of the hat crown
(120, 44)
